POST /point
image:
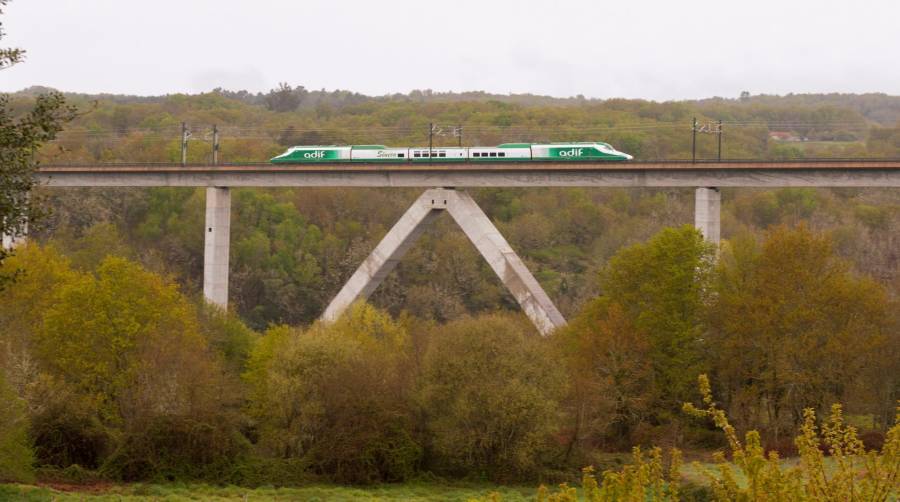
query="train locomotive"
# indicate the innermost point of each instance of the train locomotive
(507, 152)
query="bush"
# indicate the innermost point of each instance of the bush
(872, 440)
(16, 455)
(175, 448)
(336, 396)
(856, 475)
(488, 393)
(65, 433)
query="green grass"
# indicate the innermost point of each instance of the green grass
(185, 492)
(413, 491)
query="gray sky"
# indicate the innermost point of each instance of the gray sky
(654, 49)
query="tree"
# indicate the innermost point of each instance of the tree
(46, 273)
(792, 327)
(130, 341)
(20, 137)
(336, 396)
(285, 98)
(489, 392)
(662, 286)
(610, 376)
(9, 56)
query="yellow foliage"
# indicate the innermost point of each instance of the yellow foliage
(130, 340)
(854, 474)
(857, 475)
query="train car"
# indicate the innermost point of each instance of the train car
(507, 152)
(577, 151)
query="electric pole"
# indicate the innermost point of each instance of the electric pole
(719, 134)
(215, 145)
(185, 134)
(694, 141)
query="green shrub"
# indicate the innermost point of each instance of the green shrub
(16, 455)
(857, 475)
(335, 396)
(488, 393)
(854, 475)
(175, 448)
(66, 433)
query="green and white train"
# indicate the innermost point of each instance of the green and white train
(507, 152)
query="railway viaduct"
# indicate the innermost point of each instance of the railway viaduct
(705, 176)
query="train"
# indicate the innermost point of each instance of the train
(507, 152)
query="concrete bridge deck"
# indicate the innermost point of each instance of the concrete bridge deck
(732, 173)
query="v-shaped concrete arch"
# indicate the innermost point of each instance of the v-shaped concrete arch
(483, 234)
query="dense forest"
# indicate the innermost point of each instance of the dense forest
(116, 369)
(255, 127)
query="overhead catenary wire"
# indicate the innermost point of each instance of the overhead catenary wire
(339, 132)
(358, 128)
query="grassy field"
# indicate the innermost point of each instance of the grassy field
(692, 474)
(193, 492)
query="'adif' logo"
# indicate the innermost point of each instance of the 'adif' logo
(574, 152)
(318, 154)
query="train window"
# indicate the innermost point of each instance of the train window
(415, 154)
(476, 154)
(400, 155)
(501, 154)
(443, 154)
(493, 154)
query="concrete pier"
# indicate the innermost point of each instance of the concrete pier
(217, 242)
(9, 242)
(388, 253)
(478, 228)
(505, 262)
(707, 209)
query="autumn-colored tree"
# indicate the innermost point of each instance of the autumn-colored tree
(115, 335)
(792, 327)
(610, 376)
(44, 272)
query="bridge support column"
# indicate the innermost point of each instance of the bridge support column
(707, 208)
(217, 242)
(387, 254)
(9, 242)
(483, 234)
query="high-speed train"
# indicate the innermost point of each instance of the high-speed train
(507, 152)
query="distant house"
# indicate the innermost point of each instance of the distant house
(783, 136)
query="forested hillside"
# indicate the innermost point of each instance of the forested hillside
(256, 127)
(118, 366)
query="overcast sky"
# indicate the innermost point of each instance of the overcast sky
(654, 49)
